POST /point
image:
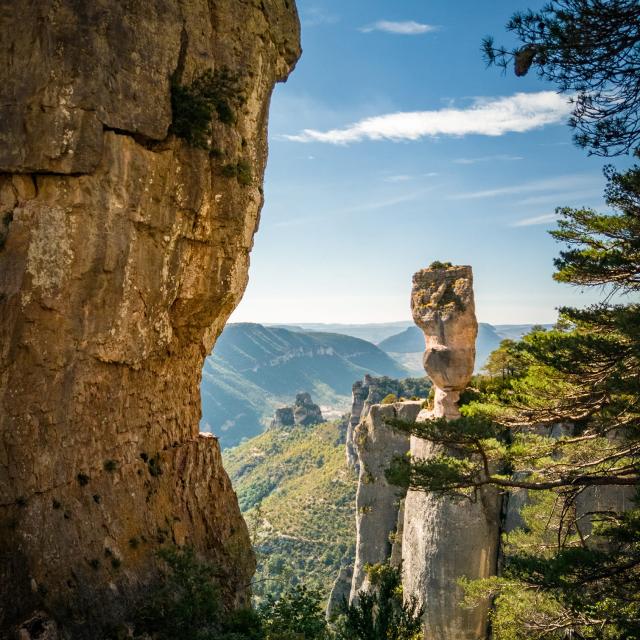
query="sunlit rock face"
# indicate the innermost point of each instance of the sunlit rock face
(122, 253)
(377, 501)
(445, 539)
(443, 307)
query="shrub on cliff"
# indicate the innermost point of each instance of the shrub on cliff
(186, 604)
(211, 94)
(380, 613)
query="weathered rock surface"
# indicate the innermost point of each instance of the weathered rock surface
(305, 411)
(443, 540)
(122, 253)
(340, 590)
(443, 307)
(377, 502)
(370, 391)
(446, 539)
(283, 417)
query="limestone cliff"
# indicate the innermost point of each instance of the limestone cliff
(371, 391)
(123, 250)
(377, 501)
(445, 539)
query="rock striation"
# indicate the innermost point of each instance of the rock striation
(445, 539)
(377, 501)
(123, 250)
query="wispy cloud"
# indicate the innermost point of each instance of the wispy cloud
(495, 158)
(317, 16)
(486, 116)
(399, 178)
(561, 183)
(406, 28)
(529, 222)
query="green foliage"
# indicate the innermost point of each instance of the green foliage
(440, 265)
(110, 466)
(299, 499)
(211, 94)
(390, 399)
(591, 50)
(83, 479)
(380, 613)
(558, 415)
(240, 170)
(186, 604)
(297, 615)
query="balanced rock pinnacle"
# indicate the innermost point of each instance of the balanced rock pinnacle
(443, 307)
(446, 539)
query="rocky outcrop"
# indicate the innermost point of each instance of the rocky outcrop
(377, 501)
(445, 539)
(123, 250)
(371, 391)
(443, 307)
(303, 413)
(283, 418)
(340, 591)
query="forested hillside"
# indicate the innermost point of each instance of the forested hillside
(254, 369)
(298, 497)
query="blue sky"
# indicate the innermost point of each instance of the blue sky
(391, 146)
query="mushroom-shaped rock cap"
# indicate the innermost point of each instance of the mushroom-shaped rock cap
(443, 307)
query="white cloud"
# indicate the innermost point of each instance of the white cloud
(406, 28)
(528, 222)
(400, 178)
(495, 158)
(317, 16)
(486, 116)
(563, 183)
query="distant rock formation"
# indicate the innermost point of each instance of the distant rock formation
(377, 501)
(446, 539)
(283, 418)
(303, 413)
(124, 250)
(340, 590)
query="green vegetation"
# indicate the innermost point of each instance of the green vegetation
(186, 604)
(299, 499)
(591, 50)
(436, 264)
(110, 466)
(211, 94)
(381, 613)
(240, 170)
(255, 369)
(574, 565)
(390, 399)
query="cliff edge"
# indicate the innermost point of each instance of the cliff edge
(123, 250)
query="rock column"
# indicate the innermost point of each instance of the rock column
(446, 539)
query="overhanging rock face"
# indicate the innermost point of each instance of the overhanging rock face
(122, 253)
